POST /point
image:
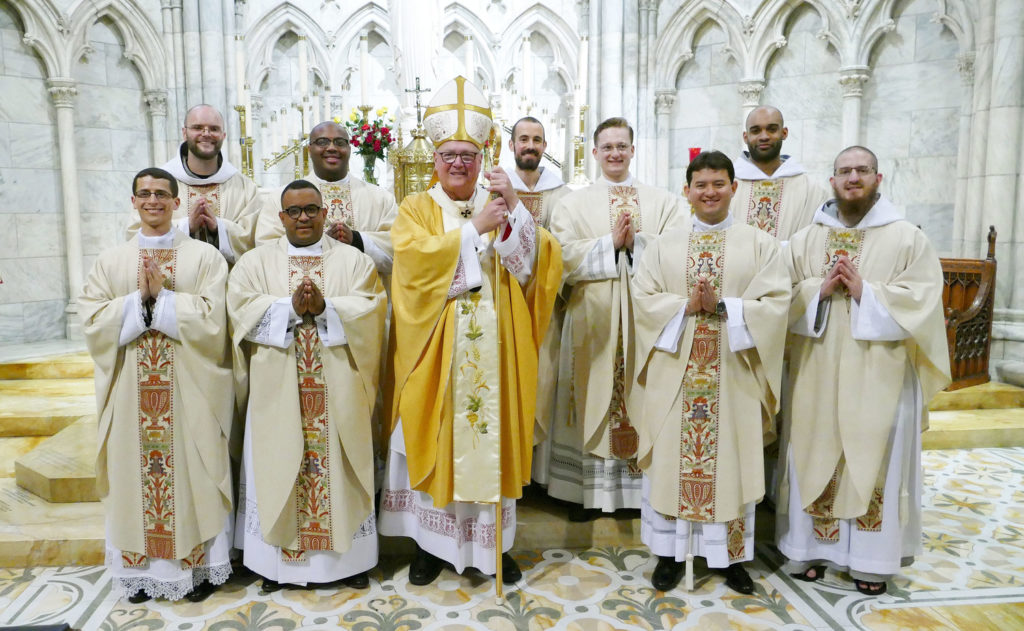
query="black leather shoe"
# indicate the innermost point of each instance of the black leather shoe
(510, 572)
(269, 587)
(737, 579)
(357, 581)
(201, 592)
(139, 597)
(579, 514)
(667, 574)
(424, 568)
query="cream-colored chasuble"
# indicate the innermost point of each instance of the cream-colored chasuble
(338, 200)
(764, 205)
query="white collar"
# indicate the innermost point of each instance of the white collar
(700, 226)
(176, 167)
(601, 179)
(549, 180)
(747, 170)
(454, 207)
(316, 179)
(164, 241)
(313, 249)
(882, 213)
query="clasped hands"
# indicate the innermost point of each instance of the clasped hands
(842, 275)
(201, 217)
(340, 232)
(623, 232)
(307, 299)
(151, 280)
(702, 298)
(495, 213)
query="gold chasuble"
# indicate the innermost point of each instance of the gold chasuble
(164, 406)
(309, 405)
(705, 408)
(456, 388)
(845, 391)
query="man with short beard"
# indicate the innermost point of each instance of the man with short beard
(539, 188)
(868, 353)
(774, 193)
(219, 204)
(359, 214)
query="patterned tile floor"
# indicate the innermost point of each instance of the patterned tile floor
(971, 576)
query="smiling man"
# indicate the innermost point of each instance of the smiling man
(219, 204)
(868, 353)
(358, 213)
(465, 349)
(308, 314)
(155, 325)
(603, 230)
(721, 288)
(775, 194)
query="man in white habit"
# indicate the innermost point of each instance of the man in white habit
(359, 214)
(156, 327)
(539, 188)
(467, 332)
(220, 205)
(722, 289)
(868, 353)
(774, 192)
(603, 230)
(308, 318)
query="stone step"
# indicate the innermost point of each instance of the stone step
(13, 448)
(35, 532)
(62, 468)
(68, 366)
(43, 407)
(966, 429)
(986, 396)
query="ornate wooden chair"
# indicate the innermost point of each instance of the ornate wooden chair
(968, 297)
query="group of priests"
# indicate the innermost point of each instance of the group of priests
(279, 385)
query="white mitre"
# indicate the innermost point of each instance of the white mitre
(458, 111)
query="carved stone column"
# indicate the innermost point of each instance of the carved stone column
(664, 100)
(156, 100)
(63, 93)
(852, 80)
(751, 92)
(965, 63)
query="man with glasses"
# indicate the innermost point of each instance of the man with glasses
(308, 320)
(358, 213)
(220, 205)
(603, 230)
(464, 349)
(155, 324)
(774, 194)
(868, 353)
(539, 189)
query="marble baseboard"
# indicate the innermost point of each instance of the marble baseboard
(36, 532)
(967, 429)
(62, 468)
(987, 396)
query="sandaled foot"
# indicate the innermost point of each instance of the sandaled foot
(138, 597)
(811, 574)
(869, 588)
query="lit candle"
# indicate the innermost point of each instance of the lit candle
(364, 68)
(303, 69)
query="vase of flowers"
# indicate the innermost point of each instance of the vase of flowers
(371, 139)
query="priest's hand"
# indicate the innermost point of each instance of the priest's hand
(500, 184)
(315, 302)
(703, 298)
(832, 281)
(491, 217)
(201, 217)
(623, 233)
(340, 232)
(154, 278)
(850, 277)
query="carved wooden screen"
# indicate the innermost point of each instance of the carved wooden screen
(968, 297)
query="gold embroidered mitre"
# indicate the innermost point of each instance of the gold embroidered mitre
(459, 111)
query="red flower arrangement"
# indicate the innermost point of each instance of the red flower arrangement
(370, 138)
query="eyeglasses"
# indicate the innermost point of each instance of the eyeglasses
(209, 129)
(326, 142)
(622, 147)
(467, 157)
(861, 171)
(160, 195)
(310, 211)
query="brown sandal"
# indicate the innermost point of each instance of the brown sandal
(869, 588)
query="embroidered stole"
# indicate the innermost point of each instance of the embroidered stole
(338, 200)
(211, 192)
(534, 202)
(313, 482)
(155, 372)
(849, 242)
(764, 208)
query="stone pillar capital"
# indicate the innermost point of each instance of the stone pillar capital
(62, 91)
(664, 100)
(853, 79)
(751, 91)
(965, 64)
(157, 102)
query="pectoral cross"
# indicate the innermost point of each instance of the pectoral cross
(419, 108)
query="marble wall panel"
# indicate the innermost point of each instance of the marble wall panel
(906, 87)
(91, 70)
(19, 59)
(92, 146)
(815, 143)
(39, 234)
(106, 192)
(933, 41)
(934, 131)
(10, 315)
(33, 146)
(888, 134)
(724, 69)
(130, 150)
(29, 191)
(122, 73)
(34, 279)
(101, 231)
(108, 107)
(43, 320)
(805, 96)
(8, 235)
(934, 219)
(696, 72)
(5, 144)
(26, 100)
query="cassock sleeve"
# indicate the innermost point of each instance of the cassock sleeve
(518, 249)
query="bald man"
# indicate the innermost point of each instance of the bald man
(774, 193)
